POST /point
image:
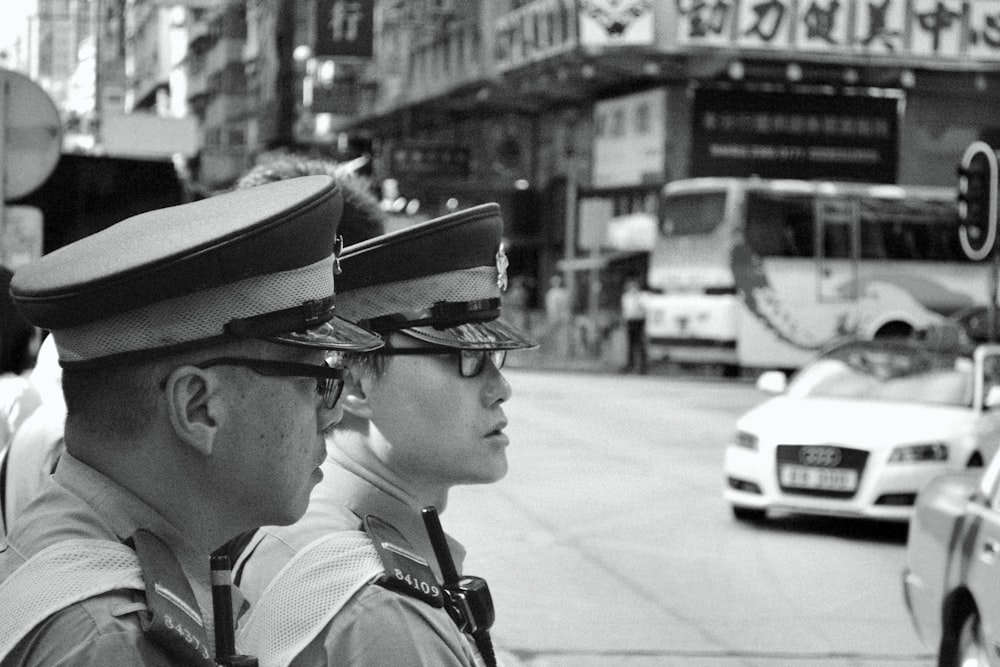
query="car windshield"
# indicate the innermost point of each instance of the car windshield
(896, 374)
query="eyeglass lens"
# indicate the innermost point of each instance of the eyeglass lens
(330, 389)
(473, 361)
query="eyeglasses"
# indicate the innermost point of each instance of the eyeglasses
(471, 362)
(329, 380)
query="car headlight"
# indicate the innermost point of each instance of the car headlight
(928, 451)
(748, 440)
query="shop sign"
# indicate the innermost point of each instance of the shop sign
(785, 135)
(415, 159)
(965, 29)
(344, 28)
(536, 30)
(616, 22)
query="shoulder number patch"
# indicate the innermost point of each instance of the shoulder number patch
(406, 571)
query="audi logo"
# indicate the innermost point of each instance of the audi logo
(827, 457)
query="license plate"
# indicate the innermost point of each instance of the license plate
(827, 479)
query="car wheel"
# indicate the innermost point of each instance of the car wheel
(970, 645)
(751, 514)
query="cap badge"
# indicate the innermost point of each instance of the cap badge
(338, 247)
(502, 264)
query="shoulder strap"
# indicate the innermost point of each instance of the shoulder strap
(406, 571)
(305, 595)
(59, 576)
(174, 621)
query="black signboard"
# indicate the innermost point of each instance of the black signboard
(412, 158)
(344, 28)
(790, 135)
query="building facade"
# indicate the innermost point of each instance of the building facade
(572, 112)
(569, 113)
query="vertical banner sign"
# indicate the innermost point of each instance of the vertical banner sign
(344, 28)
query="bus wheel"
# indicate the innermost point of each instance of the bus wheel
(894, 330)
(731, 370)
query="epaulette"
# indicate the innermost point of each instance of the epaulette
(406, 571)
(173, 620)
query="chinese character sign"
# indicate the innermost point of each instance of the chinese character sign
(344, 28)
(922, 28)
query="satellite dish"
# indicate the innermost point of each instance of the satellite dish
(32, 139)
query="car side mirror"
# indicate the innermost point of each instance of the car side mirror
(773, 382)
(992, 397)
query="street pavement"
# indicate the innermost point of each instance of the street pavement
(608, 543)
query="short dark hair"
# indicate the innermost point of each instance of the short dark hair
(363, 217)
(119, 399)
(113, 400)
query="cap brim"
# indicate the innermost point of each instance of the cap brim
(491, 335)
(335, 334)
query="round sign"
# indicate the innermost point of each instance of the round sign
(33, 134)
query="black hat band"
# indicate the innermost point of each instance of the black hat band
(440, 315)
(296, 318)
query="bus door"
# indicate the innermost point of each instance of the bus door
(837, 248)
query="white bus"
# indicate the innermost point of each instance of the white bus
(759, 273)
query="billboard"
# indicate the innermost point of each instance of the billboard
(790, 135)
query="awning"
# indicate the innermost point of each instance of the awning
(591, 262)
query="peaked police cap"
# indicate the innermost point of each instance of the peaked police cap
(254, 263)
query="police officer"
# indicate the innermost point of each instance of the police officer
(360, 581)
(196, 347)
(37, 444)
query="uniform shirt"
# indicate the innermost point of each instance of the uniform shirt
(77, 502)
(377, 627)
(32, 456)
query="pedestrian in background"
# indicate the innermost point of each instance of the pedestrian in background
(633, 312)
(517, 303)
(558, 316)
(194, 344)
(36, 435)
(362, 216)
(16, 333)
(358, 573)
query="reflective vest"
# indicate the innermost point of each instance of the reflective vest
(59, 576)
(305, 595)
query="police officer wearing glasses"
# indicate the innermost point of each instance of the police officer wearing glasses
(200, 365)
(361, 582)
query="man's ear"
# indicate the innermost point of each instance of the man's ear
(191, 404)
(355, 396)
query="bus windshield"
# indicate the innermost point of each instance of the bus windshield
(692, 214)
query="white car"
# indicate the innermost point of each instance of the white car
(950, 582)
(862, 428)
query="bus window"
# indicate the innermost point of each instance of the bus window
(837, 241)
(692, 214)
(780, 225)
(910, 230)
